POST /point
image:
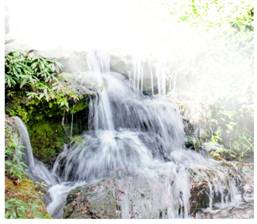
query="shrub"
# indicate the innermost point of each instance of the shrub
(33, 81)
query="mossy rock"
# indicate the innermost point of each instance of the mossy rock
(24, 200)
(223, 153)
(47, 140)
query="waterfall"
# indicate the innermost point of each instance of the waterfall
(36, 169)
(25, 141)
(158, 77)
(132, 135)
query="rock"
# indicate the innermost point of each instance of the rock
(199, 197)
(137, 196)
(47, 140)
(93, 201)
(242, 174)
(128, 197)
(245, 211)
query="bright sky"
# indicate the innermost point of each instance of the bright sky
(138, 26)
(130, 26)
(85, 23)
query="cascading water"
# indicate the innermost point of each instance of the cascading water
(133, 135)
(36, 169)
(159, 83)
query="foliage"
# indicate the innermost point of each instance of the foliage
(14, 166)
(29, 71)
(15, 208)
(33, 81)
(223, 153)
(38, 94)
(226, 126)
(23, 200)
(78, 107)
(232, 127)
(217, 13)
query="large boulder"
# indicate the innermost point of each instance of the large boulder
(93, 201)
(140, 197)
(126, 197)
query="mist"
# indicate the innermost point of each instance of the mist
(201, 65)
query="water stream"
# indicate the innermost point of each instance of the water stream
(132, 134)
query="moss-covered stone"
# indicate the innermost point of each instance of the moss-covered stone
(47, 140)
(44, 121)
(223, 153)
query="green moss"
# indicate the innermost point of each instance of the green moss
(24, 200)
(44, 120)
(223, 153)
(47, 140)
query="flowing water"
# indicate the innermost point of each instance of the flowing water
(131, 134)
(36, 169)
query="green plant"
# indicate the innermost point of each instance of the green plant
(14, 166)
(15, 208)
(243, 144)
(216, 136)
(29, 70)
(34, 89)
(231, 125)
(216, 13)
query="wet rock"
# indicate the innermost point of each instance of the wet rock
(47, 140)
(138, 196)
(188, 127)
(245, 211)
(93, 201)
(128, 197)
(199, 197)
(242, 174)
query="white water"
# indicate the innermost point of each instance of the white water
(131, 134)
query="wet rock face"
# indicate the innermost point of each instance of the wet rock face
(93, 201)
(139, 197)
(245, 211)
(128, 197)
(243, 176)
(199, 197)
